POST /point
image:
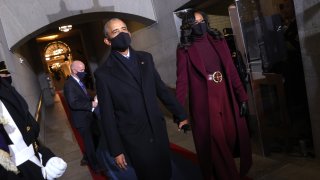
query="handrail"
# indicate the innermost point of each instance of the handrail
(37, 114)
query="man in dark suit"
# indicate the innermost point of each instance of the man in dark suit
(81, 107)
(128, 86)
(22, 157)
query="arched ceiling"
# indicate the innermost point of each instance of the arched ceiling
(213, 7)
(133, 22)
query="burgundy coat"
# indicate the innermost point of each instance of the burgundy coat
(192, 76)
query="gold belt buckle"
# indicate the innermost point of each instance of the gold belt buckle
(216, 77)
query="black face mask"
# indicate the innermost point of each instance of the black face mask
(8, 79)
(199, 29)
(81, 75)
(121, 42)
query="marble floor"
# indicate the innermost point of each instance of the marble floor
(57, 135)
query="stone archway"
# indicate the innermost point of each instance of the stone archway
(20, 24)
(58, 57)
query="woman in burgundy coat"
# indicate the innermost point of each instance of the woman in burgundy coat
(217, 99)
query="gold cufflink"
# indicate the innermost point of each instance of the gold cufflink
(28, 128)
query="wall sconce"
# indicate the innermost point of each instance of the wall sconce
(65, 28)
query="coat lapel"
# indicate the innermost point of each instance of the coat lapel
(194, 58)
(11, 95)
(120, 72)
(142, 67)
(78, 85)
(219, 45)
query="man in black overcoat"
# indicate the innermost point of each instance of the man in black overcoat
(128, 86)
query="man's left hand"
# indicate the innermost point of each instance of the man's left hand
(121, 161)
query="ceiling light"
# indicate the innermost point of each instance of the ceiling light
(46, 38)
(65, 28)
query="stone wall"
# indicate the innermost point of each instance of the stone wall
(24, 79)
(161, 39)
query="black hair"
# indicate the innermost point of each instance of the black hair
(188, 19)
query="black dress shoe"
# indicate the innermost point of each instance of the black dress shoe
(83, 162)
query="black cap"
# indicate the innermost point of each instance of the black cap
(3, 68)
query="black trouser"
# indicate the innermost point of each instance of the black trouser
(89, 147)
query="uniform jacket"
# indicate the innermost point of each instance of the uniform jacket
(28, 127)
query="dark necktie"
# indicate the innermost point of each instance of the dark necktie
(83, 87)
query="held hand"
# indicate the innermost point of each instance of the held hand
(243, 109)
(94, 104)
(184, 125)
(121, 161)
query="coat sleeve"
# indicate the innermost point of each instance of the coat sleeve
(75, 101)
(167, 97)
(236, 83)
(42, 149)
(182, 77)
(45, 152)
(108, 121)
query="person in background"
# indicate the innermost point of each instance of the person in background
(128, 86)
(218, 101)
(22, 157)
(236, 56)
(81, 108)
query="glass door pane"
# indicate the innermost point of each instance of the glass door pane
(272, 53)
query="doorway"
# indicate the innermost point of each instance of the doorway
(57, 50)
(268, 32)
(58, 57)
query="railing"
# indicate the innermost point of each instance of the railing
(37, 114)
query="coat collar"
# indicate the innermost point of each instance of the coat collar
(194, 55)
(8, 93)
(78, 85)
(119, 71)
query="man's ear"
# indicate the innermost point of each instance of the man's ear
(106, 41)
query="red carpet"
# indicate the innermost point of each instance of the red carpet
(78, 137)
(184, 152)
(175, 148)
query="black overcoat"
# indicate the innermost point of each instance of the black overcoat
(131, 118)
